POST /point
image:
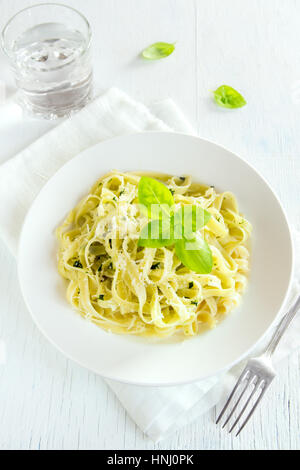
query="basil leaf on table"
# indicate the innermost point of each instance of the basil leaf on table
(195, 254)
(228, 97)
(153, 193)
(158, 50)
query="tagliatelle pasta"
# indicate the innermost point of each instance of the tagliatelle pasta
(128, 289)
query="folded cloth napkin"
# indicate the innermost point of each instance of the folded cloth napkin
(158, 411)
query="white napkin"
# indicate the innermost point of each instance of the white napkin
(158, 411)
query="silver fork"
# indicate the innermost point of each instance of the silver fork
(257, 376)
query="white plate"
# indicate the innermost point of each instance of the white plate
(136, 360)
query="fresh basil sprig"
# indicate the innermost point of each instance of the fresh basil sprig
(158, 50)
(180, 228)
(228, 97)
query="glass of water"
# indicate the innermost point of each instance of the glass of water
(49, 49)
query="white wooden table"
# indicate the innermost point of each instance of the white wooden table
(46, 401)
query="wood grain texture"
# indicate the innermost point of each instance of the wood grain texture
(46, 401)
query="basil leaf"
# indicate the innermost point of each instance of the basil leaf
(155, 196)
(228, 97)
(159, 50)
(188, 220)
(156, 234)
(195, 254)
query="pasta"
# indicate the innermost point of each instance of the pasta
(127, 289)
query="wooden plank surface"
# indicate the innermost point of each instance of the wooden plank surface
(47, 402)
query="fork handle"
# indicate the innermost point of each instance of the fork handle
(282, 327)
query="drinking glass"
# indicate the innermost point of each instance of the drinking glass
(48, 46)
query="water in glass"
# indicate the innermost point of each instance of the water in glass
(53, 69)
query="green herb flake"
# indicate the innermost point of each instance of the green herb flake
(172, 192)
(191, 285)
(100, 268)
(194, 302)
(111, 266)
(122, 192)
(227, 97)
(155, 266)
(158, 50)
(101, 297)
(78, 265)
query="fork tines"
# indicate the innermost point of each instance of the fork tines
(249, 389)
